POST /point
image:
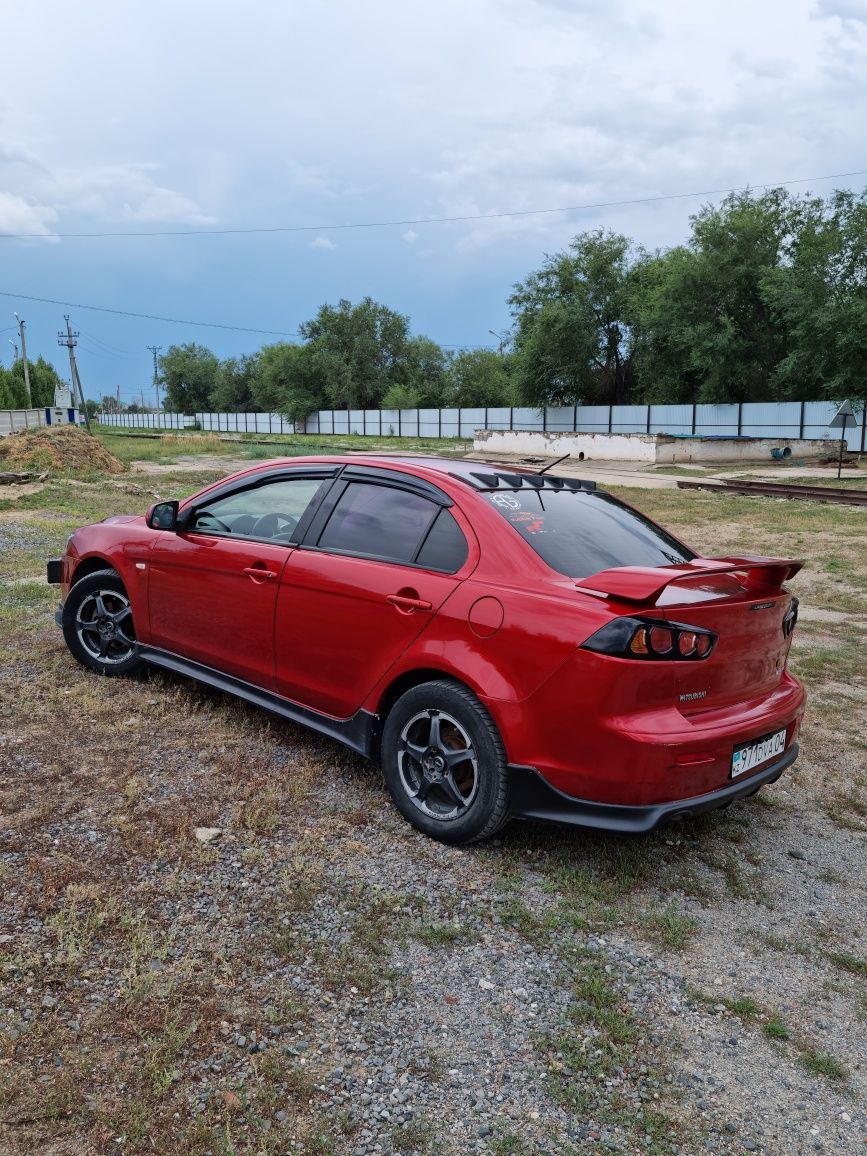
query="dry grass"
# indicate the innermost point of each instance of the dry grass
(132, 958)
(58, 450)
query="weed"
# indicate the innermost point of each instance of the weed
(775, 1029)
(439, 934)
(670, 928)
(419, 1135)
(822, 1063)
(745, 1007)
(846, 961)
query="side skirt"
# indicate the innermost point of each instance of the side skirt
(356, 732)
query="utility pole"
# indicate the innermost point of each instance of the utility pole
(15, 347)
(24, 359)
(155, 349)
(69, 340)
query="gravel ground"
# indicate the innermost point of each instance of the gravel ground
(319, 978)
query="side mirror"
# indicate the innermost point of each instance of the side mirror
(163, 516)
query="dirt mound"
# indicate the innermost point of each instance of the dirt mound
(63, 449)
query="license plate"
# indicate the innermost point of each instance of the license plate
(749, 755)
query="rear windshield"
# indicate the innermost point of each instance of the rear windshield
(580, 533)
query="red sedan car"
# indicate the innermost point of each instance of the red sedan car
(504, 643)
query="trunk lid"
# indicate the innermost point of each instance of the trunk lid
(741, 600)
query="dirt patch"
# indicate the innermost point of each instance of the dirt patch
(58, 450)
(14, 492)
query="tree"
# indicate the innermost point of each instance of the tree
(400, 397)
(44, 379)
(702, 326)
(233, 390)
(189, 374)
(358, 350)
(425, 371)
(571, 337)
(12, 392)
(818, 299)
(289, 381)
(480, 377)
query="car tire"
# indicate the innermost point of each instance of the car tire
(98, 625)
(452, 799)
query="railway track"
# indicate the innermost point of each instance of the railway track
(836, 495)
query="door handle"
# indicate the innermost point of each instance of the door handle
(260, 572)
(407, 604)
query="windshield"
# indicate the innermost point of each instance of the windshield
(580, 533)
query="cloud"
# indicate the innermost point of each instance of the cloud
(854, 11)
(18, 216)
(410, 236)
(77, 197)
(322, 243)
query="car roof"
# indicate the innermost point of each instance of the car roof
(477, 475)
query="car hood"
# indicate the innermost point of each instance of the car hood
(123, 518)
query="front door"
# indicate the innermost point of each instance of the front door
(212, 590)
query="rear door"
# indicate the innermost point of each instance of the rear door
(212, 591)
(378, 563)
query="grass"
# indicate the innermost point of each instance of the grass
(187, 947)
(775, 1029)
(846, 961)
(821, 1063)
(670, 928)
(167, 447)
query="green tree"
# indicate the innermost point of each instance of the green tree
(233, 391)
(702, 326)
(360, 351)
(480, 377)
(818, 298)
(572, 340)
(12, 394)
(189, 375)
(425, 371)
(400, 397)
(44, 379)
(289, 381)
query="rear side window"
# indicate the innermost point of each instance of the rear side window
(445, 547)
(379, 522)
(580, 533)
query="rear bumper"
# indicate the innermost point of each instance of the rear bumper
(534, 798)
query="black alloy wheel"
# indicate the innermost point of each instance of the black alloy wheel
(98, 625)
(444, 763)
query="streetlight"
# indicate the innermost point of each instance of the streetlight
(15, 347)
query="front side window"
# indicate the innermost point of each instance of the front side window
(379, 522)
(579, 533)
(270, 512)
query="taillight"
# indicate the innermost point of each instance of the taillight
(790, 618)
(650, 638)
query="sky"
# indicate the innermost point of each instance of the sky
(122, 117)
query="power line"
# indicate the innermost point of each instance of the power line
(175, 321)
(435, 220)
(111, 348)
(148, 316)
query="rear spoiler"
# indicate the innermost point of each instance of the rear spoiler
(646, 583)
